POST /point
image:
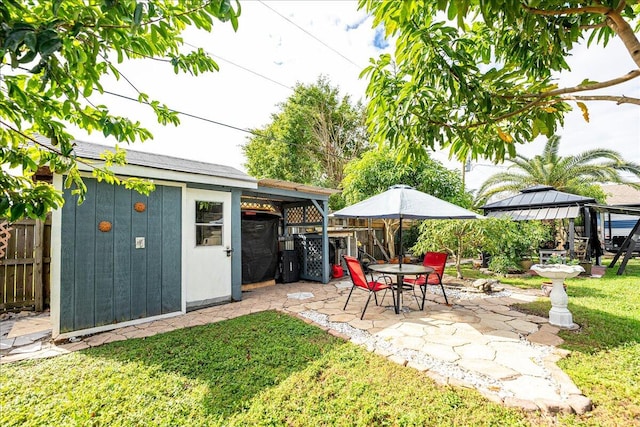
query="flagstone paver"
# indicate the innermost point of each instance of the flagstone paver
(545, 338)
(489, 368)
(476, 352)
(478, 336)
(441, 351)
(530, 387)
(523, 326)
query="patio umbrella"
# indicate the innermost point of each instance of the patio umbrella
(404, 202)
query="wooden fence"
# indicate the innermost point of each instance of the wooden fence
(24, 270)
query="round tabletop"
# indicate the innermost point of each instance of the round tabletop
(398, 269)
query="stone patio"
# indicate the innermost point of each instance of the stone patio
(477, 342)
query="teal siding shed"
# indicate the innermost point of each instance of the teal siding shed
(105, 278)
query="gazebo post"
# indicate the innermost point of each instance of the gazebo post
(587, 232)
(572, 236)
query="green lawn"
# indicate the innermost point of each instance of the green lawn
(272, 369)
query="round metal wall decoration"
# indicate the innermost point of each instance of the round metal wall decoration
(139, 207)
(104, 226)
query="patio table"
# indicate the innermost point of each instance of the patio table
(400, 270)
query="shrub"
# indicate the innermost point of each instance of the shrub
(503, 264)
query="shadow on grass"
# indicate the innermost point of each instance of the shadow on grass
(238, 359)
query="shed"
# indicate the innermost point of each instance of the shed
(543, 202)
(121, 258)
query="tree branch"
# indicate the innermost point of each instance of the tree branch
(621, 27)
(593, 26)
(594, 86)
(617, 99)
(601, 10)
(153, 21)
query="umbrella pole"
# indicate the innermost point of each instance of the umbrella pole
(400, 255)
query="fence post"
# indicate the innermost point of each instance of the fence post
(37, 266)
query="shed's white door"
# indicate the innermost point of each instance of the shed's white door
(207, 236)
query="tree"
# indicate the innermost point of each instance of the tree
(54, 55)
(310, 139)
(475, 76)
(378, 170)
(578, 174)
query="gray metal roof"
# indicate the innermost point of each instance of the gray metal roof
(538, 197)
(89, 150)
(538, 214)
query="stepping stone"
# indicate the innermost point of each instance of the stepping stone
(6, 344)
(300, 295)
(531, 388)
(488, 368)
(37, 346)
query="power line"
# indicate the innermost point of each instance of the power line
(309, 34)
(243, 68)
(204, 119)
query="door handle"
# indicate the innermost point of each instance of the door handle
(228, 250)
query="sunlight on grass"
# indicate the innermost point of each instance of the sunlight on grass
(262, 369)
(272, 369)
(605, 358)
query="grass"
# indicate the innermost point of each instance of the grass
(605, 358)
(262, 369)
(272, 369)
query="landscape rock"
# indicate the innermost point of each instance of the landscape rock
(580, 404)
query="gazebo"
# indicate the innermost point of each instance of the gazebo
(542, 202)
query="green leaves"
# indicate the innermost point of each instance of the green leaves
(475, 79)
(70, 47)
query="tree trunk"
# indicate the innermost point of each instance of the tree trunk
(459, 260)
(616, 22)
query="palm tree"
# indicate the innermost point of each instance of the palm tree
(579, 174)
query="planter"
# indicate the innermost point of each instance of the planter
(587, 268)
(559, 315)
(526, 264)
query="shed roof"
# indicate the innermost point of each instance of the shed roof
(538, 196)
(288, 185)
(90, 150)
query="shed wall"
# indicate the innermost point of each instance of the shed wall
(105, 279)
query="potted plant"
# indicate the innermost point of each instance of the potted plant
(587, 267)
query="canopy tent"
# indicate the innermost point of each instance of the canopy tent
(404, 202)
(543, 202)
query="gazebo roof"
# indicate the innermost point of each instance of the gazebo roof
(538, 202)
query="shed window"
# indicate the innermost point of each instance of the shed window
(209, 222)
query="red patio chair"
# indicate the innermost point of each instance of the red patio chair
(437, 261)
(360, 281)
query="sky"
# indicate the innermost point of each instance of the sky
(281, 43)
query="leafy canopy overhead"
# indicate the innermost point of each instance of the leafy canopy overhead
(54, 55)
(475, 76)
(577, 174)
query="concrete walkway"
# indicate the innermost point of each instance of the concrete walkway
(476, 342)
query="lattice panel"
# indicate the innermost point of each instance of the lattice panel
(310, 255)
(295, 215)
(5, 235)
(304, 215)
(313, 214)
